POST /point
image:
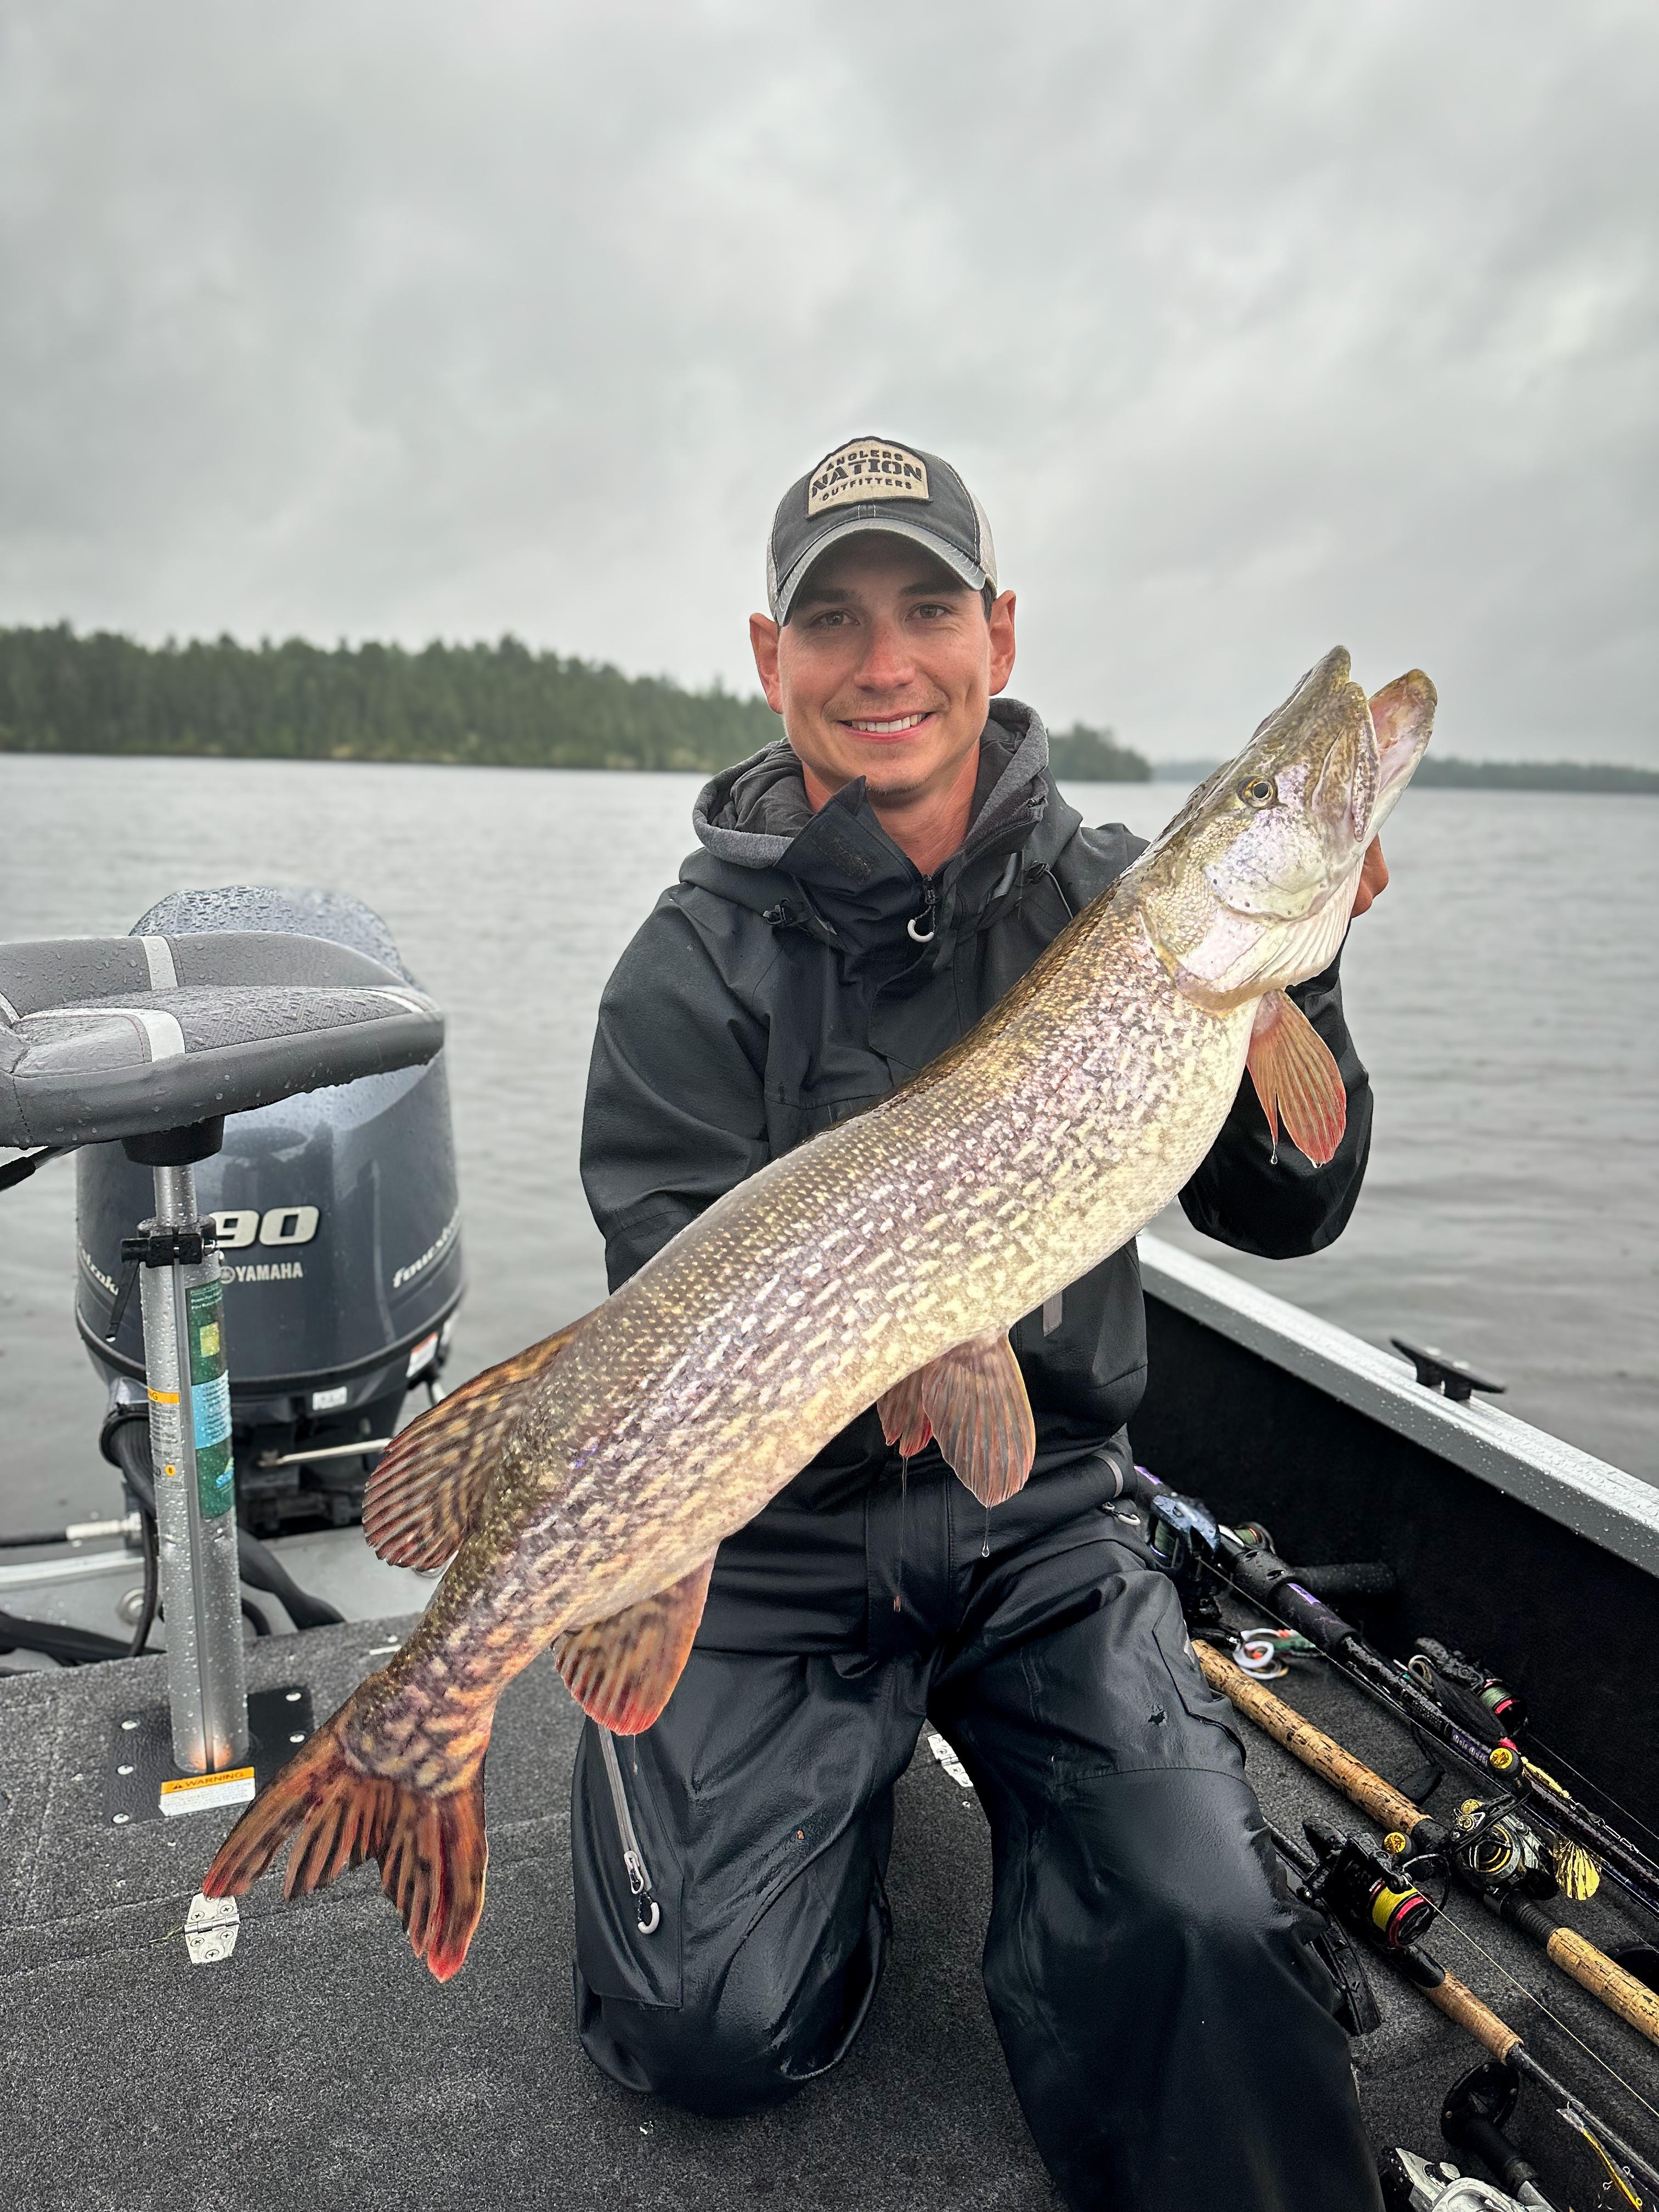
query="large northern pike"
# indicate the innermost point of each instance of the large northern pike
(581, 1488)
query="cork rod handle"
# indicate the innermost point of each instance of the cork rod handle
(1310, 1744)
(1604, 1977)
(1461, 2003)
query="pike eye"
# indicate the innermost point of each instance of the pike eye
(1257, 792)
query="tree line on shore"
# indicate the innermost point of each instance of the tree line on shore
(498, 704)
(1454, 775)
(1449, 772)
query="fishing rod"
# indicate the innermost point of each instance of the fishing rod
(1260, 1575)
(1372, 1901)
(1194, 1545)
(1483, 1703)
(1412, 1835)
(1467, 1687)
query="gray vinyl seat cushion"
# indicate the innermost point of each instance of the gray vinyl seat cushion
(107, 1037)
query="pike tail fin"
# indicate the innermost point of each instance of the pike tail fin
(432, 1847)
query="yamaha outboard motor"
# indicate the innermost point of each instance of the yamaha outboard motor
(339, 1230)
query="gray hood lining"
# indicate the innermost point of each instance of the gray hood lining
(751, 813)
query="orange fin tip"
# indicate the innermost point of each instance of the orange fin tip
(1297, 1079)
(973, 1399)
(621, 1671)
(903, 1421)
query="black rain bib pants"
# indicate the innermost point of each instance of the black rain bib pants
(1167, 2023)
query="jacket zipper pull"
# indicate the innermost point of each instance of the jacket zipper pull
(923, 936)
(648, 1913)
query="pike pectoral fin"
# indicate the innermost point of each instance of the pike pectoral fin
(1297, 1079)
(974, 1401)
(426, 1494)
(623, 1671)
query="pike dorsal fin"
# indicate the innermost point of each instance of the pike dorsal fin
(1297, 1079)
(621, 1671)
(973, 1399)
(426, 1495)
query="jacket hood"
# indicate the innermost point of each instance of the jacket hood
(838, 875)
(752, 814)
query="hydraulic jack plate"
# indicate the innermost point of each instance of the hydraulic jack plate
(141, 1782)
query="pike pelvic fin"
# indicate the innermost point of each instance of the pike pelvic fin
(432, 1847)
(1297, 1077)
(426, 1495)
(621, 1671)
(973, 1399)
(904, 1420)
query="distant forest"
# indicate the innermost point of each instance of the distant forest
(1454, 775)
(1479, 775)
(1534, 776)
(1086, 756)
(500, 705)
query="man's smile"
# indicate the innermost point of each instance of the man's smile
(894, 727)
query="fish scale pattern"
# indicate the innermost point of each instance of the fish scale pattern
(1041, 1143)
(1046, 1139)
(1009, 1167)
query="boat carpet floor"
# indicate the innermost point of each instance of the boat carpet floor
(321, 2065)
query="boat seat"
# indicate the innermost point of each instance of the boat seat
(103, 1037)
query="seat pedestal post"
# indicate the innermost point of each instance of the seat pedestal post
(184, 1313)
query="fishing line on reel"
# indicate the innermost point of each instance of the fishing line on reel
(1492, 1815)
(1303, 1865)
(1507, 1801)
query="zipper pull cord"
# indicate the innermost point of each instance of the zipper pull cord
(648, 1913)
(923, 936)
(904, 1490)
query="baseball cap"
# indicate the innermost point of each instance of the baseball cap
(872, 483)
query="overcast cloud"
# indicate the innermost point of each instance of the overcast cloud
(1254, 327)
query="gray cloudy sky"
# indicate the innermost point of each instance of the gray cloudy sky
(1254, 327)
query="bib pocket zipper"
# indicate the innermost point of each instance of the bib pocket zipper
(648, 1913)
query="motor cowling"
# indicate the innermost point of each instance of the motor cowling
(338, 1229)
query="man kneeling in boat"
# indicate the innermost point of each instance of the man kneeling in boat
(1167, 2021)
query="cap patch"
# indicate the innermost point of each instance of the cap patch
(865, 471)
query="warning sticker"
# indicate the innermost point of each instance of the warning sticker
(201, 1793)
(209, 1399)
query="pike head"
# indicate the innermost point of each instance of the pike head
(1250, 888)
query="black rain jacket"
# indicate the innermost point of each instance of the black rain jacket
(775, 989)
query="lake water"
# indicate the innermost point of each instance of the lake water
(1501, 994)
